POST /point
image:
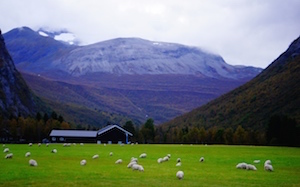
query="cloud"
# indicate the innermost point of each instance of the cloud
(243, 32)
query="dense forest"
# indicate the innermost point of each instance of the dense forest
(281, 130)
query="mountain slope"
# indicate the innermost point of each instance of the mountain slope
(274, 92)
(16, 99)
(38, 54)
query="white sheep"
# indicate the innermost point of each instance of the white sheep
(9, 155)
(268, 162)
(27, 154)
(268, 167)
(95, 156)
(83, 162)
(178, 164)
(81, 144)
(166, 158)
(54, 151)
(180, 175)
(256, 161)
(201, 159)
(143, 155)
(169, 155)
(39, 144)
(131, 163)
(242, 165)
(47, 144)
(137, 167)
(251, 167)
(6, 150)
(32, 162)
(159, 160)
(111, 154)
(178, 160)
(30, 144)
(119, 161)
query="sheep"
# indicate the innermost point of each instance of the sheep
(178, 160)
(95, 156)
(179, 175)
(169, 155)
(27, 154)
(111, 154)
(242, 165)
(47, 144)
(131, 164)
(251, 167)
(9, 155)
(137, 167)
(143, 155)
(268, 162)
(3, 145)
(30, 144)
(178, 164)
(6, 150)
(256, 161)
(81, 144)
(83, 162)
(32, 162)
(39, 144)
(268, 167)
(201, 159)
(159, 160)
(54, 151)
(166, 158)
(119, 161)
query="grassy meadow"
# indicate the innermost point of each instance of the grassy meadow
(218, 169)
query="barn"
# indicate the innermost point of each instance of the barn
(108, 134)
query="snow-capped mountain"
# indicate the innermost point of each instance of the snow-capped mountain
(60, 35)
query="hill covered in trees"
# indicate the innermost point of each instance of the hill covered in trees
(252, 108)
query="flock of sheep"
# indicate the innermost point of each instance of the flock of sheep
(133, 164)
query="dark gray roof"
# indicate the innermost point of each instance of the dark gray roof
(74, 133)
(109, 127)
(84, 133)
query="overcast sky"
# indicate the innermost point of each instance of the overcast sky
(243, 32)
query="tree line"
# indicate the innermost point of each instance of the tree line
(281, 130)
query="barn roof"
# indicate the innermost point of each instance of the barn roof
(84, 133)
(74, 133)
(109, 127)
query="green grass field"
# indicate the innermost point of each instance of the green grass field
(218, 169)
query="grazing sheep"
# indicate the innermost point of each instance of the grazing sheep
(201, 159)
(268, 162)
(119, 161)
(268, 167)
(81, 144)
(137, 167)
(32, 162)
(54, 151)
(169, 155)
(111, 154)
(104, 144)
(143, 155)
(160, 160)
(6, 150)
(178, 164)
(95, 156)
(9, 155)
(27, 154)
(256, 161)
(179, 175)
(131, 164)
(242, 165)
(166, 158)
(30, 144)
(83, 162)
(251, 167)
(47, 144)
(39, 144)
(178, 160)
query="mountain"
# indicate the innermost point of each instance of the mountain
(16, 99)
(129, 56)
(123, 78)
(275, 91)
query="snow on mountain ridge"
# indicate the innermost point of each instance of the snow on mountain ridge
(139, 56)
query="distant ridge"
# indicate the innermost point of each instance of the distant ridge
(273, 92)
